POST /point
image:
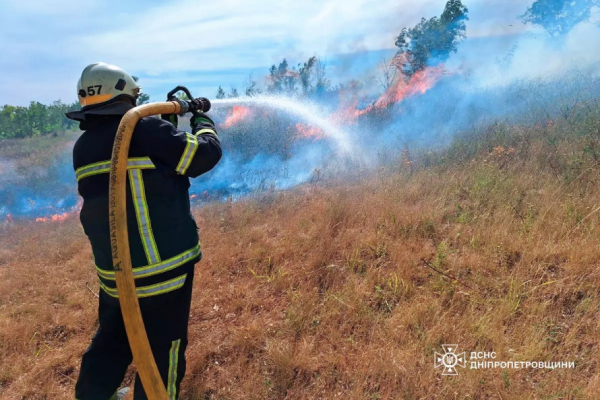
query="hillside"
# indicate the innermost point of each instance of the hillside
(346, 289)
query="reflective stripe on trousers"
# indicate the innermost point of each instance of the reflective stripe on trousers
(173, 363)
(153, 269)
(152, 290)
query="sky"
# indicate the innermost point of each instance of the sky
(45, 44)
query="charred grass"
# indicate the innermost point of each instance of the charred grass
(346, 290)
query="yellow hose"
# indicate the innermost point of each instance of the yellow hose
(130, 306)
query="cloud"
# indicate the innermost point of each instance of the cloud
(46, 44)
(239, 34)
(179, 37)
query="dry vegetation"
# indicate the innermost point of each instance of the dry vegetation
(33, 159)
(323, 292)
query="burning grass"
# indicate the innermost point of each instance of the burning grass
(236, 115)
(324, 291)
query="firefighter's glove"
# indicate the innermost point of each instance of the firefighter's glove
(172, 118)
(200, 120)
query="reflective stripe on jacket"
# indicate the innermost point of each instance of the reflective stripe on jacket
(163, 235)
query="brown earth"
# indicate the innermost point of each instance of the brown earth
(347, 290)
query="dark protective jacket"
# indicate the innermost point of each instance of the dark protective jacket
(163, 235)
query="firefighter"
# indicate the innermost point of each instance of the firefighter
(163, 235)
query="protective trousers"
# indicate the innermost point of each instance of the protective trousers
(106, 360)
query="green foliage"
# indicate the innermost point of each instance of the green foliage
(305, 74)
(233, 93)
(182, 96)
(276, 76)
(37, 119)
(282, 79)
(40, 119)
(252, 88)
(220, 93)
(558, 17)
(143, 98)
(306, 78)
(431, 40)
(322, 84)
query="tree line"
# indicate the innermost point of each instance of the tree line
(428, 43)
(41, 119)
(36, 119)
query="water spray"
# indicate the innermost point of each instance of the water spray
(305, 110)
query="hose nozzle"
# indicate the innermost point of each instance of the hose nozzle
(200, 104)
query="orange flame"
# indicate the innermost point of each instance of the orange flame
(419, 83)
(53, 218)
(235, 116)
(309, 132)
(400, 89)
(348, 111)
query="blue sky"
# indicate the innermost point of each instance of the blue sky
(45, 44)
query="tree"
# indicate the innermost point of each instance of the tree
(388, 73)
(432, 40)
(276, 77)
(143, 98)
(289, 82)
(37, 119)
(282, 79)
(305, 73)
(322, 84)
(558, 17)
(233, 93)
(252, 88)
(220, 93)
(307, 78)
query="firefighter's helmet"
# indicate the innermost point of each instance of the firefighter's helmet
(101, 83)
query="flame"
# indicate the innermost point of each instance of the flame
(419, 83)
(399, 90)
(53, 218)
(349, 99)
(204, 195)
(235, 116)
(309, 132)
(348, 112)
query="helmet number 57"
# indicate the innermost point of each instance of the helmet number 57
(91, 91)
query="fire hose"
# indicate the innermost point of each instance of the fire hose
(130, 306)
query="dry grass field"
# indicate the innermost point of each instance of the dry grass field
(345, 290)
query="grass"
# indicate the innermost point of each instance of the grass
(346, 290)
(32, 161)
(36, 147)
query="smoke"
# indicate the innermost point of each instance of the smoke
(529, 56)
(31, 188)
(273, 143)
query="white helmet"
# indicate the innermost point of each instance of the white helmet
(101, 83)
